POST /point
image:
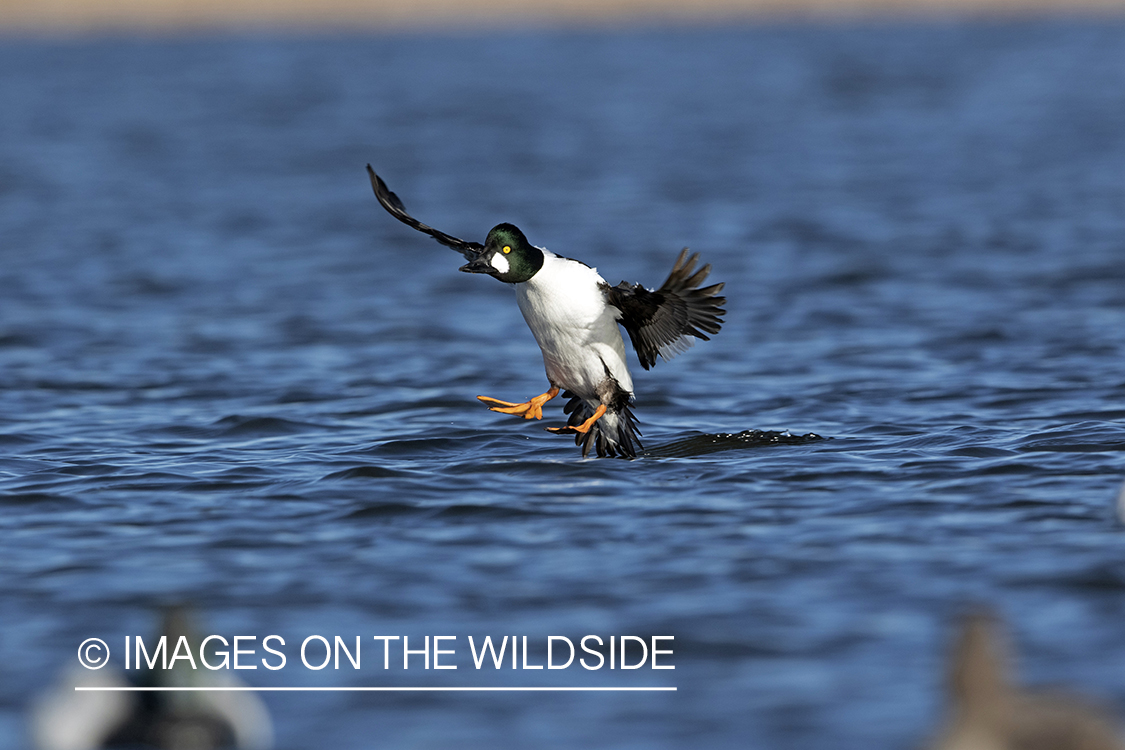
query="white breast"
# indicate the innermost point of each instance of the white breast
(576, 329)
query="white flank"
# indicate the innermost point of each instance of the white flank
(576, 329)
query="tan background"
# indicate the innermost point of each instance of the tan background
(157, 14)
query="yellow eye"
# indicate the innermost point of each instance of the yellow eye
(507, 249)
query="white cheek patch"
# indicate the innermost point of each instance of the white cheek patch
(500, 263)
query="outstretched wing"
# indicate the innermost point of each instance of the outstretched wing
(663, 321)
(395, 208)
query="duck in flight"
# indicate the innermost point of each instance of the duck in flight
(574, 315)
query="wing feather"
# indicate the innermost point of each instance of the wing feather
(394, 207)
(666, 321)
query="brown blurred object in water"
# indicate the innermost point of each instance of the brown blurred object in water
(989, 712)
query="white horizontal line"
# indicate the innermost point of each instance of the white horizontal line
(118, 689)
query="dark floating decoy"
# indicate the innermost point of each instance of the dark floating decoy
(67, 719)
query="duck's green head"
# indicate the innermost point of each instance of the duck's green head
(507, 255)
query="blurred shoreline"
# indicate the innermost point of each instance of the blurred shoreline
(69, 16)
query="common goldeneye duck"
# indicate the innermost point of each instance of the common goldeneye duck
(574, 315)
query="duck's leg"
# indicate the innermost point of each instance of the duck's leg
(532, 409)
(580, 428)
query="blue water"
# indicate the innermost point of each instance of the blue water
(228, 378)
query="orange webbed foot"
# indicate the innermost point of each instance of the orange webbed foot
(580, 428)
(532, 409)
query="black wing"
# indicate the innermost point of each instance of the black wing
(660, 322)
(395, 208)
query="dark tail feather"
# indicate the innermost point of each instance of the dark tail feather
(615, 434)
